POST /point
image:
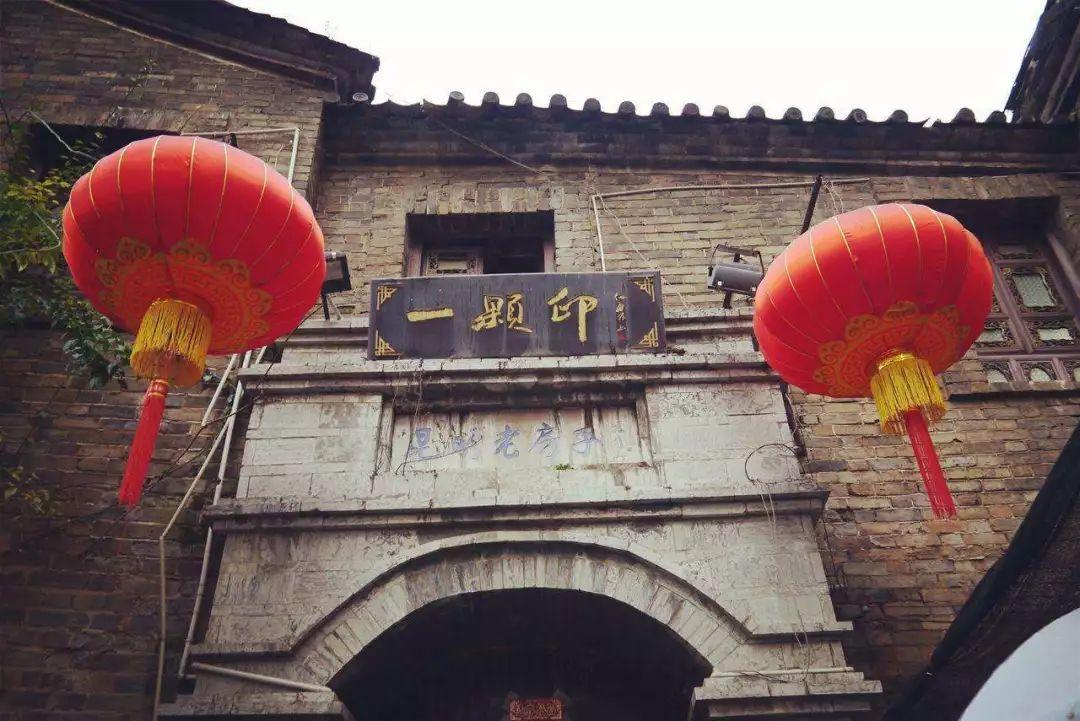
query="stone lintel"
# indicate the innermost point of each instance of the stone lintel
(836, 694)
(313, 514)
(502, 375)
(292, 705)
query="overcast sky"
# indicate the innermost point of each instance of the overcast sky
(929, 57)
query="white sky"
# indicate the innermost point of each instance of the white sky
(929, 57)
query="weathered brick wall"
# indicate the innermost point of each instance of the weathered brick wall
(73, 69)
(80, 584)
(899, 575)
(79, 589)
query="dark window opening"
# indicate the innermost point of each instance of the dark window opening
(480, 243)
(44, 152)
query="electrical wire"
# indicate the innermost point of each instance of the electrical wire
(487, 148)
(648, 265)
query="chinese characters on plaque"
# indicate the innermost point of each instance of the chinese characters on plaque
(526, 314)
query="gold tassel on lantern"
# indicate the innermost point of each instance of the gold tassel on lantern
(172, 342)
(908, 396)
(904, 383)
(170, 347)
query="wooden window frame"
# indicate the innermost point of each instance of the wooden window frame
(1015, 361)
(418, 245)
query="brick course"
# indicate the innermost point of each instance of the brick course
(74, 69)
(80, 589)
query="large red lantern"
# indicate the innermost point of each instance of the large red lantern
(875, 302)
(198, 248)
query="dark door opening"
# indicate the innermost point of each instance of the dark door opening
(468, 658)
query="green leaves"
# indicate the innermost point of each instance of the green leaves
(34, 282)
(20, 492)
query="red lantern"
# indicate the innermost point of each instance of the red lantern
(198, 248)
(874, 302)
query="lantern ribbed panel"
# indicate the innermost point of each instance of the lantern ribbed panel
(199, 221)
(880, 279)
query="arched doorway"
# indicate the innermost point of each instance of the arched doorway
(468, 657)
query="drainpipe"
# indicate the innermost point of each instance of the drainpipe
(260, 678)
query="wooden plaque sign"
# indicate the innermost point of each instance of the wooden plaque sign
(524, 314)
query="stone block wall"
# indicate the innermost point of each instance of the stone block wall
(899, 575)
(659, 509)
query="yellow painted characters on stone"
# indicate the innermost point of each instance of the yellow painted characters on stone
(419, 316)
(515, 313)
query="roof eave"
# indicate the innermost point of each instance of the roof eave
(349, 71)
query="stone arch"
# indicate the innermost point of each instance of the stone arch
(505, 561)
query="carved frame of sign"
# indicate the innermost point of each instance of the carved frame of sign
(536, 709)
(522, 314)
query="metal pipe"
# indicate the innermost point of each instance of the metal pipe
(784, 672)
(230, 423)
(599, 234)
(294, 129)
(200, 590)
(209, 533)
(260, 678)
(292, 158)
(161, 567)
(730, 186)
(252, 131)
(811, 205)
(220, 385)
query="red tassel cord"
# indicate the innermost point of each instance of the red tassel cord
(142, 447)
(941, 500)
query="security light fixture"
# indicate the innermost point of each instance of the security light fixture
(337, 278)
(735, 275)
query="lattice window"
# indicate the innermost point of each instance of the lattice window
(479, 243)
(998, 372)
(1032, 333)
